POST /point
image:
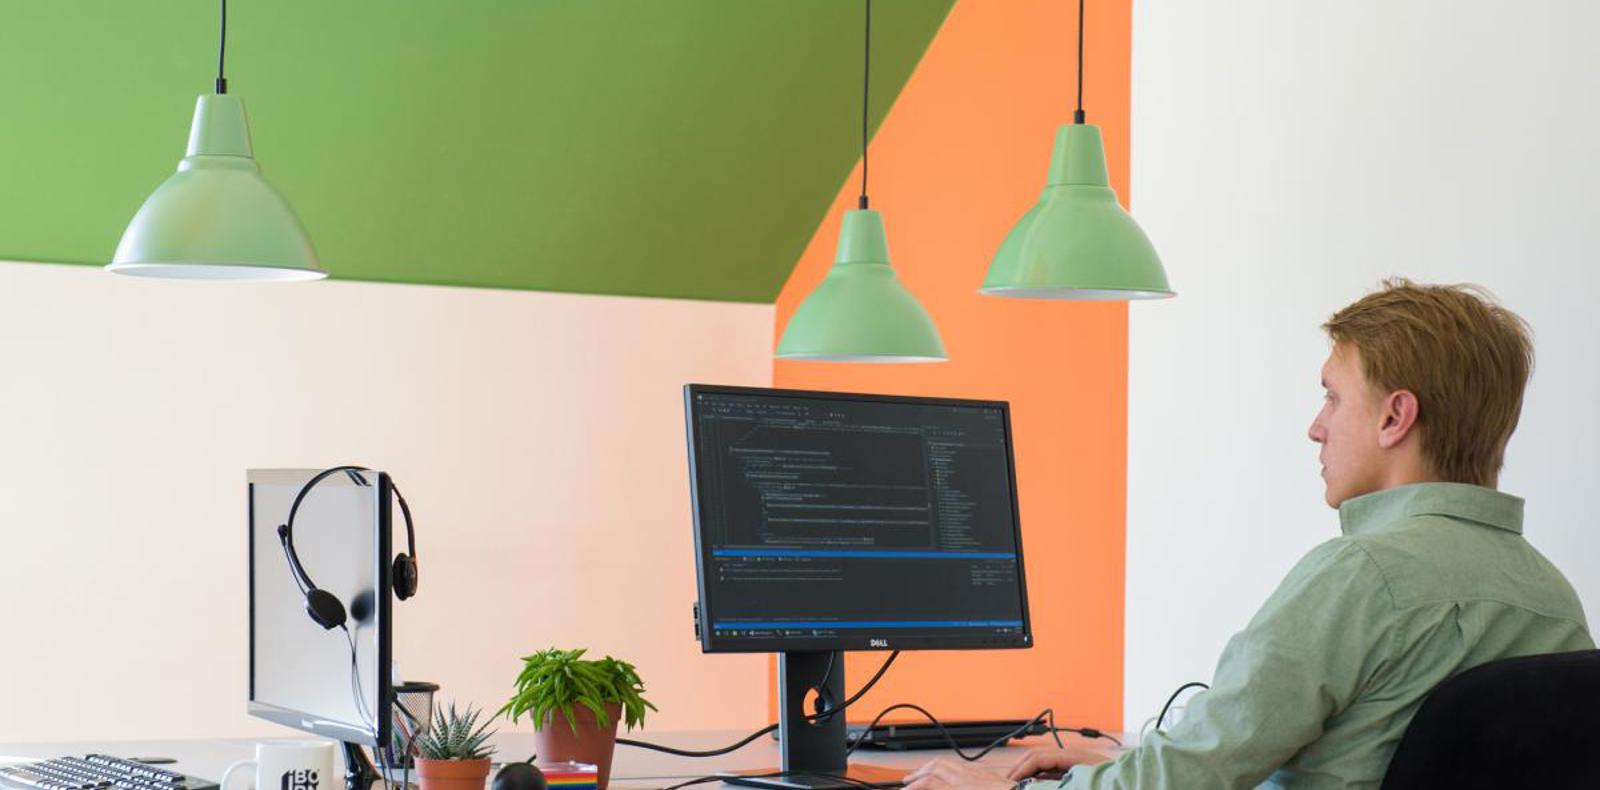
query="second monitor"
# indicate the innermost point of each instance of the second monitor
(827, 522)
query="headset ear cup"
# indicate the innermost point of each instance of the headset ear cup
(325, 608)
(405, 576)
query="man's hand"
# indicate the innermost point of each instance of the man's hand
(947, 773)
(1055, 761)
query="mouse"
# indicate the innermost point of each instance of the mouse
(520, 776)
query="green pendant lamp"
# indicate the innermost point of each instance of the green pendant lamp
(861, 312)
(1077, 242)
(216, 218)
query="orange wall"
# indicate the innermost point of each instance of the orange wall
(960, 157)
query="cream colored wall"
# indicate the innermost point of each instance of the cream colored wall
(538, 437)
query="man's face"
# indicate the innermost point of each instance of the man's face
(1347, 428)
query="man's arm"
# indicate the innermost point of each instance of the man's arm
(1305, 655)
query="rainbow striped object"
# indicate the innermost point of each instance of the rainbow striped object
(571, 776)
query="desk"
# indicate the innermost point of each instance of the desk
(633, 769)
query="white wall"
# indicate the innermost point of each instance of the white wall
(538, 437)
(1286, 156)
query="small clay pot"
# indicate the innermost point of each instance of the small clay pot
(592, 743)
(453, 774)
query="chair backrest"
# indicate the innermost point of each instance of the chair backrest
(1532, 721)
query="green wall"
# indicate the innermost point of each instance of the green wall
(676, 148)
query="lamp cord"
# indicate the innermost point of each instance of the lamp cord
(1077, 115)
(866, 89)
(222, 49)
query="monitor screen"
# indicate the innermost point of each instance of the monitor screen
(301, 674)
(830, 521)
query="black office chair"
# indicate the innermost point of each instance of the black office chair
(1520, 722)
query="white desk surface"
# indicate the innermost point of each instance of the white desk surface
(632, 769)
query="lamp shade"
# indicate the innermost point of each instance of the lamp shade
(860, 312)
(216, 218)
(1077, 242)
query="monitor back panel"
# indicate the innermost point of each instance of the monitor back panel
(301, 675)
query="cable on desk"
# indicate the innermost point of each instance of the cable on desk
(773, 775)
(1087, 732)
(1090, 732)
(740, 744)
(1164, 708)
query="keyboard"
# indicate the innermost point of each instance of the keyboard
(96, 772)
(924, 735)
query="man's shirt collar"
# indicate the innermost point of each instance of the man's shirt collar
(1381, 511)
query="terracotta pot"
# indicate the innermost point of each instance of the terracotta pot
(591, 744)
(453, 774)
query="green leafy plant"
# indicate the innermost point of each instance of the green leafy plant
(553, 680)
(456, 736)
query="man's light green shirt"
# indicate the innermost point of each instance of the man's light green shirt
(1428, 580)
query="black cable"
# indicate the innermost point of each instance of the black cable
(361, 709)
(656, 747)
(1047, 716)
(773, 775)
(222, 49)
(1077, 115)
(833, 655)
(1055, 732)
(355, 683)
(866, 90)
(1087, 732)
(864, 689)
(411, 742)
(767, 730)
(1164, 708)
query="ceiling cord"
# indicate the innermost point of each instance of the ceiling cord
(222, 49)
(866, 89)
(1077, 115)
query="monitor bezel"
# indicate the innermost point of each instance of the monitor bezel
(356, 733)
(865, 641)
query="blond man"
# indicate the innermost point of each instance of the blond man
(1431, 576)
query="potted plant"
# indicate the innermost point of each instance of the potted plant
(452, 754)
(589, 696)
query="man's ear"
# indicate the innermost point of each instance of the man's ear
(1398, 416)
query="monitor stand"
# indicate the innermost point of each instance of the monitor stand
(813, 750)
(359, 773)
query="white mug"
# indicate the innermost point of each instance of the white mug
(291, 765)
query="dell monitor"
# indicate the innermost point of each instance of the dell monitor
(827, 522)
(333, 682)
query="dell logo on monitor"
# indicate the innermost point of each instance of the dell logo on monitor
(877, 643)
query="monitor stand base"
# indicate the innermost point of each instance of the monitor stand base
(854, 776)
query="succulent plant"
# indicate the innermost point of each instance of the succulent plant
(456, 736)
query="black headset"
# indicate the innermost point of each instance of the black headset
(323, 606)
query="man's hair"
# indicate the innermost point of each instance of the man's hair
(1466, 358)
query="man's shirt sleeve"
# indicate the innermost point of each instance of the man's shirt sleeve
(1316, 642)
